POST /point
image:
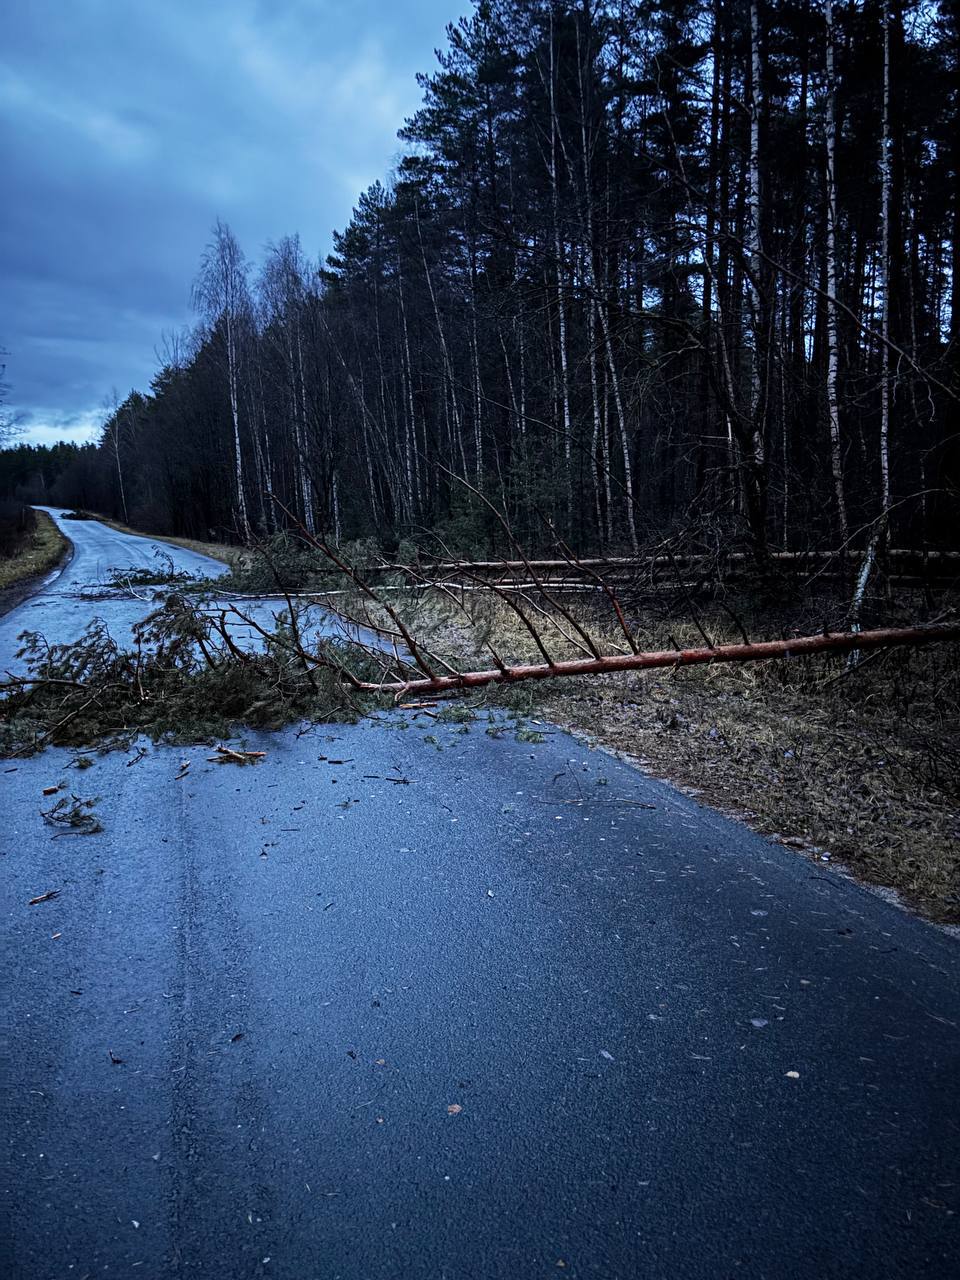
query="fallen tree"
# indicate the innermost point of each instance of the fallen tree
(413, 670)
(946, 561)
(837, 642)
(208, 661)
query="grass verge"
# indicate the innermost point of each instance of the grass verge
(42, 551)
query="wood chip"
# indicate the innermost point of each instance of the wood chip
(227, 755)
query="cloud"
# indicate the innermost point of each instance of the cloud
(130, 129)
(107, 132)
(47, 426)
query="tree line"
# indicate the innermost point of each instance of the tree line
(668, 266)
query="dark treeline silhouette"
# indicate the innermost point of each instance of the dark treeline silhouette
(42, 473)
(676, 265)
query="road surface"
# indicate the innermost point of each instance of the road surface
(74, 594)
(413, 999)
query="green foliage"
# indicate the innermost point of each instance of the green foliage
(456, 713)
(466, 527)
(164, 575)
(180, 683)
(529, 735)
(73, 816)
(282, 562)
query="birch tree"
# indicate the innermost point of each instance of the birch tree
(833, 353)
(221, 297)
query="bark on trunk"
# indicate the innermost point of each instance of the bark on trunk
(841, 642)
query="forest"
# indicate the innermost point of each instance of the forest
(670, 268)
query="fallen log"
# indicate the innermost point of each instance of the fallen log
(800, 559)
(828, 642)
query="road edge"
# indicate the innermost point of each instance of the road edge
(16, 593)
(835, 868)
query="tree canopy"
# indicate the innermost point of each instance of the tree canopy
(644, 265)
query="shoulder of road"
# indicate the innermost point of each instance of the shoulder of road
(21, 574)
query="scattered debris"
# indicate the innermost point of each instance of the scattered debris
(51, 791)
(609, 1056)
(117, 1062)
(793, 1075)
(44, 897)
(74, 815)
(227, 755)
(184, 770)
(454, 1109)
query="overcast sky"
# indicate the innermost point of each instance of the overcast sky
(128, 126)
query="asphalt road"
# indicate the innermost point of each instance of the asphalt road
(83, 589)
(405, 1000)
(73, 595)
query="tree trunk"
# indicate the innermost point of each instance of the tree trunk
(833, 408)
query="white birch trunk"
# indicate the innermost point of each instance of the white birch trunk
(753, 232)
(561, 309)
(233, 387)
(600, 305)
(833, 407)
(881, 525)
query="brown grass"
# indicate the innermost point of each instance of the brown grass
(43, 551)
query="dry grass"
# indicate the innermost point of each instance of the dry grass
(43, 551)
(861, 764)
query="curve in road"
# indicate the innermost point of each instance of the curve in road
(62, 606)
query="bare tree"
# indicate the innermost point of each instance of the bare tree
(8, 426)
(282, 289)
(221, 296)
(113, 432)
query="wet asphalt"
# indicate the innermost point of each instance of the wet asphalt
(421, 999)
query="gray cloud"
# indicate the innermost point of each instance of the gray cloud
(130, 127)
